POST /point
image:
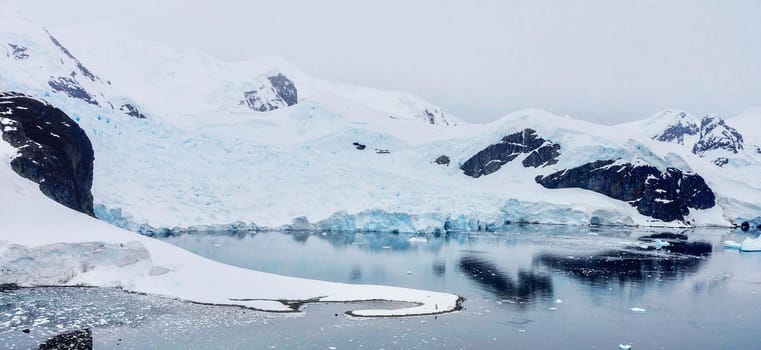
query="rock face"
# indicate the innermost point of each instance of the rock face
(76, 340)
(443, 160)
(275, 92)
(665, 195)
(434, 116)
(86, 72)
(715, 134)
(19, 52)
(53, 150)
(132, 110)
(541, 153)
(71, 87)
(681, 127)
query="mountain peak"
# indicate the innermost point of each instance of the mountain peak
(716, 134)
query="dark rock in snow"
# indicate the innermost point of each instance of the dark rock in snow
(493, 157)
(382, 151)
(53, 150)
(76, 340)
(86, 72)
(132, 111)
(543, 156)
(359, 146)
(745, 226)
(676, 132)
(716, 134)
(721, 161)
(19, 52)
(443, 160)
(285, 89)
(276, 92)
(662, 195)
(71, 87)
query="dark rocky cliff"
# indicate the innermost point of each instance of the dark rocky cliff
(53, 150)
(662, 195)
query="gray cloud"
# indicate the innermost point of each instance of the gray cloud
(607, 61)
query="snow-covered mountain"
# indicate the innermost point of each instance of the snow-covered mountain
(184, 140)
(711, 137)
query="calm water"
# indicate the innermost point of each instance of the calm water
(532, 287)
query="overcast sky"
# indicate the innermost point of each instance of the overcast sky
(607, 61)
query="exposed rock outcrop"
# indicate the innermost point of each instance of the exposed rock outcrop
(665, 195)
(19, 52)
(132, 110)
(443, 160)
(715, 134)
(275, 92)
(681, 127)
(53, 150)
(76, 340)
(71, 87)
(541, 153)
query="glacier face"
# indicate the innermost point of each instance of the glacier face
(176, 151)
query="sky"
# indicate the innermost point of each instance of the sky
(607, 61)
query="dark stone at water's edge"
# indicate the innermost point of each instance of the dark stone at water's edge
(541, 153)
(745, 226)
(53, 150)
(443, 160)
(76, 340)
(665, 195)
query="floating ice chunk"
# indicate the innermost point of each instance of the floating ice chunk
(559, 301)
(751, 245)
(637, 309)
(660, 244)
(732, 245)
(418, 240)
(409, 272)
(624, 347)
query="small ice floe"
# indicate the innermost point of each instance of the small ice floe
(418, 240)
(732, 245)
(553, 308)
(751, 245)
(386, 247)
(409, 272)
(660, 244)
(624, 347)
(637, 309)
(559, 301)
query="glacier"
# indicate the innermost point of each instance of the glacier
(200, 160)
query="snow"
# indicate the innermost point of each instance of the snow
(44, 243)
(201, 159)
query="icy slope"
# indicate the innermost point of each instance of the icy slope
(341, 156)
(44, 243)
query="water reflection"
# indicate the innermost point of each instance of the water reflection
(528, 287)
(667, 256)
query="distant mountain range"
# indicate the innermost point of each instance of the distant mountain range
(183, 141)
